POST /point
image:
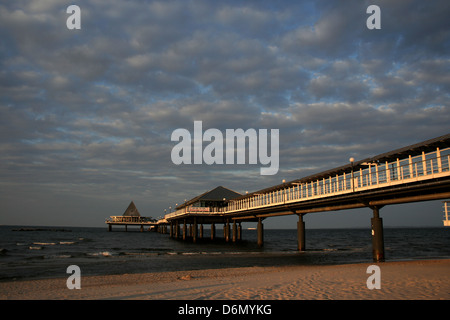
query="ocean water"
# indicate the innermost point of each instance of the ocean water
(46, 252)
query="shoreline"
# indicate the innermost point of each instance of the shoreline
(400, 280)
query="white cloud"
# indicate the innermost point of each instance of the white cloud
(98, 106)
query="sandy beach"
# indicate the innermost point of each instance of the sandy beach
(409, 280)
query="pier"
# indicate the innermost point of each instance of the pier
(131, 217)
(414, 173)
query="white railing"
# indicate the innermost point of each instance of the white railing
(195, 210)
(129, 219)
(376, 175)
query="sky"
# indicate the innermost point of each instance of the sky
(86, 115)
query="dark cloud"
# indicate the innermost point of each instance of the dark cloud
(86, 115)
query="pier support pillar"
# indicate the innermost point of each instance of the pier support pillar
(126, 228)
(239, 232)
(260, 233)
(109, 227)
(213, 231)
(177, 229)
(377, 236)
(184, 230)
(142, 228)
(234, 231)
(227, 231)
(195, 231)
(171, 230)
(301, 233)
(201, 231)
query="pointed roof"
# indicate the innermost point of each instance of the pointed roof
(131, 211)
(217, 194)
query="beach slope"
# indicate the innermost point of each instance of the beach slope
(421, 280)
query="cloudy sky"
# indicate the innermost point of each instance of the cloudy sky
(86, 116)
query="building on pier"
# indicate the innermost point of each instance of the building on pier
(207, 208)
(214, 200)
(131, 216)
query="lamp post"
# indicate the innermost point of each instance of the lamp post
(353, 180)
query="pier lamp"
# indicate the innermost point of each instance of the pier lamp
(353, 180)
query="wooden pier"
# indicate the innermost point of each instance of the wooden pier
(131, 217)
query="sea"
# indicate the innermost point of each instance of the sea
(46, 252)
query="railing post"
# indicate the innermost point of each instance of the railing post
(360, 178)
(424, 164)
(410, 167)
(345, 181)
(377, 174)
(388, 173)
(439, 160)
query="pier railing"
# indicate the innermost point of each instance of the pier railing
(376, 175)
(195, 210)
(129, 219)
(367, 176)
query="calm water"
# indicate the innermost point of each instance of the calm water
(48, 251)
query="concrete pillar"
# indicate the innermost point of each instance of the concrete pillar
(240, 232)
(171, 229)
(195, 231)
(260, 233)
(177, 229)
(142, 227)
(227, 232)
(213, 231)
(184, 230)
(109, 227)
(301, 233)
(201, 231)
(377, 236)
(234, 231)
